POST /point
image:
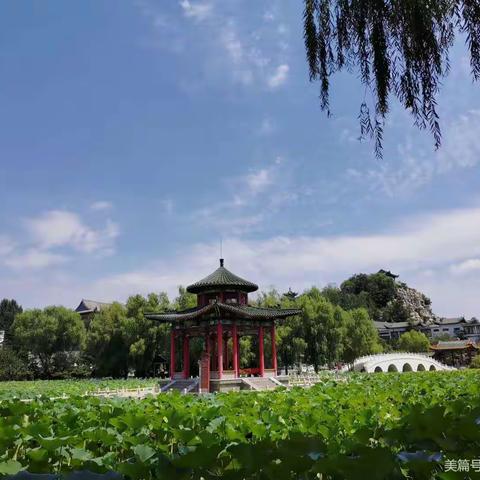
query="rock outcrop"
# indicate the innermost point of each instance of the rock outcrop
(416, 305)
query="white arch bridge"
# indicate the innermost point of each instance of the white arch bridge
(396, 362)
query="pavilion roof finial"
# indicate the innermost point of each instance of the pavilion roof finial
(221, 262)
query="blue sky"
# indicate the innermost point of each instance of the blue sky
(135, 135)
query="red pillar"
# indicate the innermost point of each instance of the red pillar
(172, 354)
(274, 349)
(207, 342)
(260, 348)
(186, 356)
(220, 348)
(235, 350)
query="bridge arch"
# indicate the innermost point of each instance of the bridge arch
(396, 362)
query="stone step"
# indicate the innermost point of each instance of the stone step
(181, 385)
(261, 383)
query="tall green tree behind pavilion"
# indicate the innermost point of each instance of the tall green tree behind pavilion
(108, 342)
(147, 339)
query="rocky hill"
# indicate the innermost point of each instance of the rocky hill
(416, 306)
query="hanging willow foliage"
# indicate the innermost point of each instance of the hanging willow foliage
(399, 47)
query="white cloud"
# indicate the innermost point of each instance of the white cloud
(415, 167)
(247, 60)
(58, 228)
(279, 77)
(101, 205)
(259, 181)
(228, 43)
(421, 244)
(251, 198)
(34, 258)
(421, 249)
(198, 11)
(467, 266)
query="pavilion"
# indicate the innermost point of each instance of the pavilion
(221, 317)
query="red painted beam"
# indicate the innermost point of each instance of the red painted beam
(235, 350)
(260, 347)
(172, 353)
(220, 349)
(274, 348)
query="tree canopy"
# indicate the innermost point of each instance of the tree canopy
(399, 47)
(413, 341)
(48, 333)
(9, 309)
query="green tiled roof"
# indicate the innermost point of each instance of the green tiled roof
(454, 345)
(241, 311)
(222, 278)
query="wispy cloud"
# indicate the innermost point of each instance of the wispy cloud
(101, 205)
(253, 191)
(259, 180)
(35, 258)
(267, 127)
(279, 77)
(198, 11)
(54, 238)
(467, 266)
(413, 166)
(229, 45)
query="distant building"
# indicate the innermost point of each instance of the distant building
(88, 308)
(458, 327)
(391, 330)
(458, 353)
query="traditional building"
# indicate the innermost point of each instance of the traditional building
(458, 327)
(221, 317)
(88, 308)
(458, 353)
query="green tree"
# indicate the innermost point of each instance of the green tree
(108, 342)
(291, 345)
(184, 300)
(400, 48)
(48, 332)
(13, 366)
(270, 299)
(9, 309)
(147, 339)
(475, 363)
(323, 329)
(290, 342)
(413, 341)
(361, 336)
